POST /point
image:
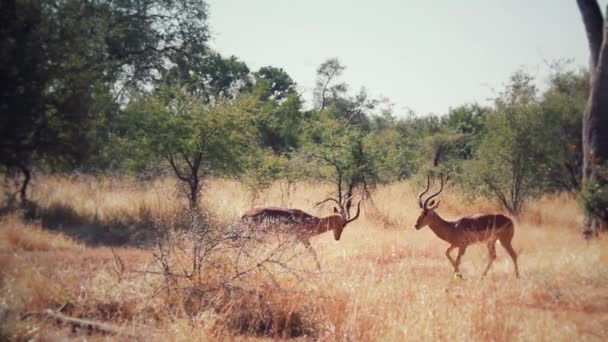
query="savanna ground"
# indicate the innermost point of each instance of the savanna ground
(89, 252)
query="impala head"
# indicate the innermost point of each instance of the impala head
(342, 215)
(428, 206)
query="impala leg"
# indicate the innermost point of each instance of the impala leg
(461, 251)
(492, 255)
(312, 251)
(447, 253)
(509, 248)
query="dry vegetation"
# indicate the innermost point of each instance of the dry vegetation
(383, 280)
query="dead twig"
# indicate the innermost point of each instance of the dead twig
(79, 323)
(119, 265)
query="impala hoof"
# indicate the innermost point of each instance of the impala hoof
(457, 275)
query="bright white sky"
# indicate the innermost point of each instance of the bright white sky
(423, 55)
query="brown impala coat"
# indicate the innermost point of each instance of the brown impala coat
(301, 224)
(467, 230)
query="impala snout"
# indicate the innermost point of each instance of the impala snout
(420, 221)
(338, 233)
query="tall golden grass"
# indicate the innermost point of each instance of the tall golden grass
(383, 281)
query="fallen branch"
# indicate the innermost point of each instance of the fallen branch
(74, 323)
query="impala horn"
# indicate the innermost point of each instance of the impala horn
(428, 185)
(357, 214)
(426, 202)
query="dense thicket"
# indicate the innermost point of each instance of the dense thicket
(131, 86)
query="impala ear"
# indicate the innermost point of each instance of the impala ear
(335, 210)
(433, 204)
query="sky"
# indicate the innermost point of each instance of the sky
(426, 56)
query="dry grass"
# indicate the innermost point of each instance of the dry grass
(383, 281)
(17, 235)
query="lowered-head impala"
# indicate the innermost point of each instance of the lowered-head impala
(301, 224)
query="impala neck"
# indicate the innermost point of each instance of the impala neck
(442, 228)
(329, 223)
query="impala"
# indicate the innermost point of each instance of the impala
(485, 228)
(303, 225)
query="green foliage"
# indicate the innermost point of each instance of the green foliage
(338, 153)
(562, 106)
(65, 64)
(172, 124)
(279, 123)
(467, 124)
(509, 156)
(273, 83)
(106, 86)
(213, 78)
(263, 168)
(505, 163)
(326, 88)
(195, 139)
(391, 157)
(594, 197)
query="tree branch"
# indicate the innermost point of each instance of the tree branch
(499, 194)
(175, 169)
(188, 161)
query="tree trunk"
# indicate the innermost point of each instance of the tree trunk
(595, 121)
(27, 176)
(192, 179)
(194, 188)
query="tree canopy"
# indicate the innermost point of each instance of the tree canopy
(126, 86)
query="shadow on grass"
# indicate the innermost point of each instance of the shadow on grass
(137, 232)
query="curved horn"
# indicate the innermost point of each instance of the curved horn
(327, 200)
(426, 202)
(357, 214)
(428, 185)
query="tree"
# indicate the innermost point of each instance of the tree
(562, 105)
(356, 110)
(595, 121)
(417, 142)
(213, 79)
(389, 154)
(274, 83)
(64, 66)
(338, 153)
(278, 115)
(194, 138)
(279, 123)
(468, 123)
(506, 162)
(327, 73)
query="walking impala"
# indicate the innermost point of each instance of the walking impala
(467, 230)
(301, 224)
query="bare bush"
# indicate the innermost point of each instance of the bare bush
(199, 265)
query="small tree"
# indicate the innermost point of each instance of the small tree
(506, 162)
(562, 105)
(325, 89)
(195, 139)
(338, 154)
